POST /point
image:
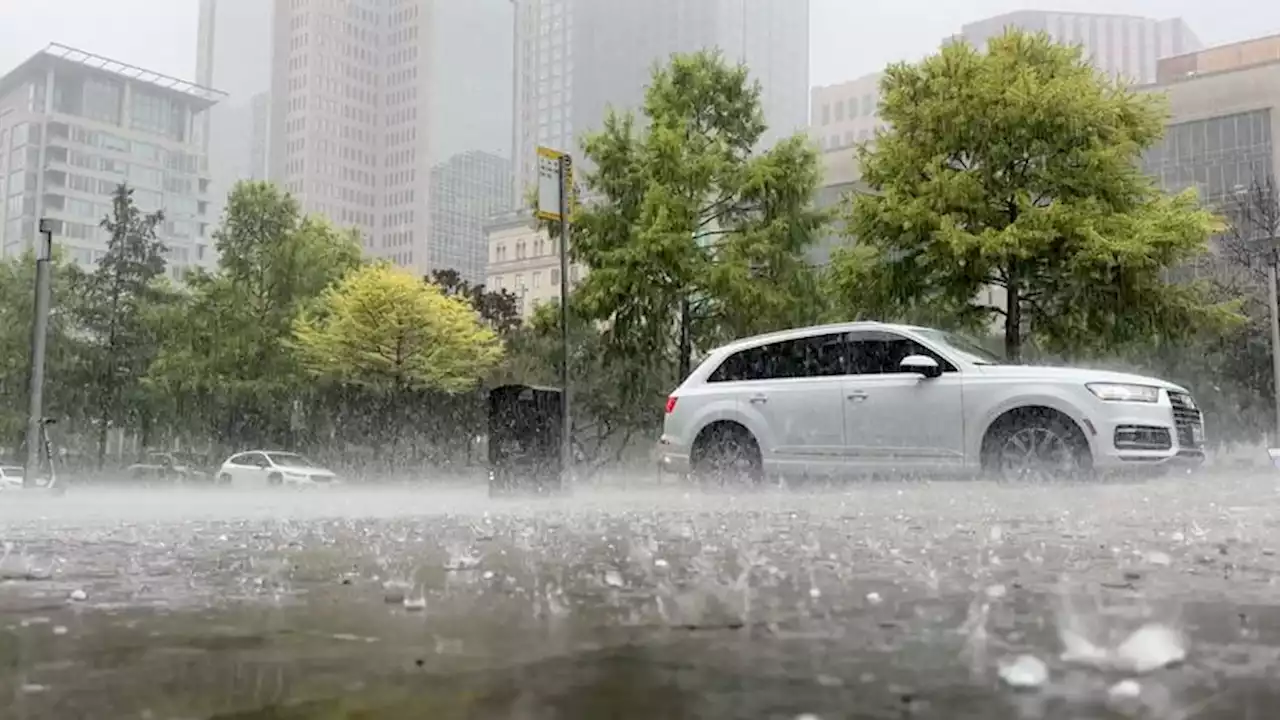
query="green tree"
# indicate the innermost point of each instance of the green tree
(226, 364)
(64, 396)
(396, 339)
(113, 311)
(692, 234)
(1018, 169)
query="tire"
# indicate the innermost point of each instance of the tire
(275, 479)
(224, 479)
(726, 454)
(1036, 445)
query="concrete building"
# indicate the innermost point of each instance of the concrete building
(525, 261)
(1222, 129)
(1124, 46)
(845, 114)
(576, 58)
(1257, 51)
(362, 109)
(75, 126)
(233, 54)
(466, 191)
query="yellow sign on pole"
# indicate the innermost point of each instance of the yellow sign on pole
(550, 187)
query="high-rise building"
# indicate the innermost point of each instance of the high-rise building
(233, 54)
(577, 58)
(1124, 46)
(367, 96)
(1222, 129)
(74, 126)
(466, 191)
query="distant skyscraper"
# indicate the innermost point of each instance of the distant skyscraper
(576, 58)
(1121, 45)
(466, 191)
(349, 104)
(233, 54)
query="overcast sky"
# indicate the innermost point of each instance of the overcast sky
(849, 37)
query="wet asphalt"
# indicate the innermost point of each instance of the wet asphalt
(887, 600)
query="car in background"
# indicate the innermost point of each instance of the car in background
(273, 468)
(876, 398)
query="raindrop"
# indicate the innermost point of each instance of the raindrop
(79, 595)
(613, 578)
(415, 604)
(1125, 690)
(59, 630)
(874, 598)
(1024, 672)
(1159, 558)
(1151, 647)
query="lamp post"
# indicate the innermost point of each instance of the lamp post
(39, 338)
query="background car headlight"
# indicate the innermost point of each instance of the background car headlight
(1121, 392)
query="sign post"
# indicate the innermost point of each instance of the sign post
(555, 194)
(39, 338)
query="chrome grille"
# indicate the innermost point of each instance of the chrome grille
(1187, 420)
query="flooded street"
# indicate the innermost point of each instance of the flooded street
(939, 600)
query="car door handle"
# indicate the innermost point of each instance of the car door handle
(759, 400)
(857, 396)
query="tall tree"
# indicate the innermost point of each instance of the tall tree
(1017, 169)
(64, 393)
(114, 302)
(394, 339)
(692, 234)
(228, 359)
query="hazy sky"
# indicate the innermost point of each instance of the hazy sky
(849, 38)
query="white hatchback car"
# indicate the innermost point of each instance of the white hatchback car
(261, 468)
(869, 397)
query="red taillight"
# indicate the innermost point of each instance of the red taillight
(671, 404)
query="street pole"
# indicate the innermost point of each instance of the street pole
(1273, 288)
(39, 338)
(566, 394)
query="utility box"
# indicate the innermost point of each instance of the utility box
(524, 439)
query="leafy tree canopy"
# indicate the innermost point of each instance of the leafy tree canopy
(689, 230)
(384, 329)
(1017, 168)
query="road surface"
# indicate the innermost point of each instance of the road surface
(889, 600)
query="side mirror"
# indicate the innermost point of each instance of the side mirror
(921, 365)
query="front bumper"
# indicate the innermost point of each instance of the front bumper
(1130, 436)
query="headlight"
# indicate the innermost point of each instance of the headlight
(1119, 392)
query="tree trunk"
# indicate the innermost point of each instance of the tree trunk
(686, 349)
(1013, 319)
(104, 415)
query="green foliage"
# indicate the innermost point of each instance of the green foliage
(114, 310)
(227, 363)
(1018, 168)
(64, 395)
(387, 331)
(693, 236)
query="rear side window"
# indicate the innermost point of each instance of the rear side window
(879, 353)
(818, 356)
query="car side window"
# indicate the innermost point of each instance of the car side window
(817, 356)
(253, 459)
(879, 353)
(239, 460)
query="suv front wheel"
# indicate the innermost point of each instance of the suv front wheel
(726, 453)
(1036, 444)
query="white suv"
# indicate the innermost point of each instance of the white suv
(871, 398)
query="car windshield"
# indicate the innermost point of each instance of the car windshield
(968, 350)
(291, 460)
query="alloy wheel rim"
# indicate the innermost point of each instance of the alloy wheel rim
(1036, 453)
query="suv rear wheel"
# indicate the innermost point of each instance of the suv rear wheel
(724, 454)
(1036, 444)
